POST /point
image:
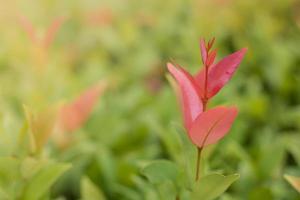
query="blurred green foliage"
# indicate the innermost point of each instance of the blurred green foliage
(137, 120)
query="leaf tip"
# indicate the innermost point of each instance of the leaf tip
(170, 66)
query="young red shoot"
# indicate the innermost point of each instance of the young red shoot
(203, 126)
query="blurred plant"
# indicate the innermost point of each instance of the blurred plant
(101, 16)
(41, 43)
(74, 114)
(294, 181)
(41, 127)
(27, 173)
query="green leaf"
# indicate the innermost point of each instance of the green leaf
(89, 190)
(9, 171)
(212, 186)
(292, 143)
(294, 181)
(41, 127)
(29, 116)
(4, 195)
(260, 193)
(43, 180)
(161, 171)
(22, 145)
(29, 166)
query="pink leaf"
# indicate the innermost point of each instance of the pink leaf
(211, 43)
(28, 28)
(73, 115)
(189, 94)
(212, 125)
(50, 33)
(52, 30)
(219, 74)
(211, 58)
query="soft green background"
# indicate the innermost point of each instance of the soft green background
(137, 120)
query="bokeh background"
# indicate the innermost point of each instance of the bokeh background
(127, 43)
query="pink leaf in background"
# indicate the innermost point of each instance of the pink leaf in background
(28, 28)
(219, 74)
(73, 115)
(52, 30)
(100, 16)
(212, 125)
(189, 93)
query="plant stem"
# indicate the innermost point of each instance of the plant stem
(205, 82)
(205, 100)
(199, 151)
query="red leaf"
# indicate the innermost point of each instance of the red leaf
(211, 43)
(52, 30)
(211, 58)
(28, 28)
(189, 94)
(212, 125)
(203, 51)
(219, 74)
(74, 114)
(50, 33)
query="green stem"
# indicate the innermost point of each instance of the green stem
(199, 151)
